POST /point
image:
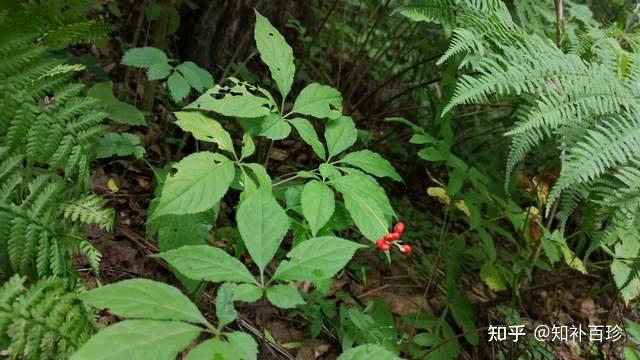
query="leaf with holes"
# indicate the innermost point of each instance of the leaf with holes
(275, 53)
(235, 101)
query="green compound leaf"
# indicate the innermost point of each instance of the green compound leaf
(234, 101)
(200, 182)
(205, 129)
(340, 133)
(198, 78)
(247, 293)
(275, 53)
(225, 312)
(262, 223)
(140, 340)
(248, 146)
(159, 71)
(320, 101)
(368, 351)
(274, 127)
(205, 262)
(237, 346)
(113, 144)
(367, 204)
(284, 296)
(309, 136)
(144, 57)
(317, 258)
(372, 163)
(118, 111)
(145, 299)
(178, 86)
(318, 204)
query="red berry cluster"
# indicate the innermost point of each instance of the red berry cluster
(393, 238)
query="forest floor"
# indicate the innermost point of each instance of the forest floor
(560, 297)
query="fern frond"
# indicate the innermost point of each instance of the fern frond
(91, 209)
(44, 321)
(610, 144)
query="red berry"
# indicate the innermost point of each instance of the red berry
(399, 228)
(382, 245)
(405, 249)
(391, 237)
(385, 247)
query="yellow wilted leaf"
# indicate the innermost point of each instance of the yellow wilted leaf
(113, 186)
(440, 194)
(492, 277)
(462, 206)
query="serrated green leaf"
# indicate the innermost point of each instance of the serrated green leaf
(237, 346)
(144, 57)
(320, 101)
(159, 71)
(492, 277)
(204, 262)
(367, 204)
(140, 340)
(212, 349)
(340, 133)
(175, 231)
(317, 258)
(248, 146)
(274, 127)
(329, 171)
(621, 272)
(113, 144)
(463, 315)
(178, 86)
(203, 75)
(372, 163)
(309, 135)
(247, 293)
(204, 128)
(262, 224)
(225, 312)
(284, 296)
(191, 76)
(318, 204)
(368, 351)
(200, 182)
(242, 344)
(235, 101)
(145, 299)
(118, 111)
(260, 173)
(275, 53)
